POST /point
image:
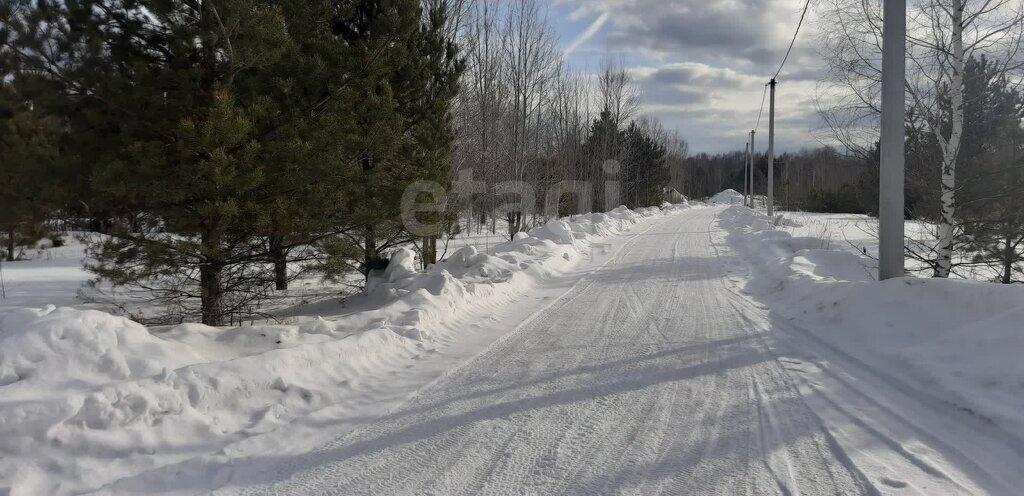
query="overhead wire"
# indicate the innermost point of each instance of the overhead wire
(803, 15)
(759, 112)
(792, 42)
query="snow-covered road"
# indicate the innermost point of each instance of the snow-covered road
(647, 377)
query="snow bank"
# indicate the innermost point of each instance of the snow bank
(57, 349)
(88, 399)
(727, 197)
(960, 340)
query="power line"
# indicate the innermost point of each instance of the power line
(759, 112)
(793, 41)
(771, 133)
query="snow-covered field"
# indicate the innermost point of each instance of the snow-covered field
(90, 401)
(48, 276)
(56, 276)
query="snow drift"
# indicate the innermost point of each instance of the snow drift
(727, 197)
(88, 399)
(960, 340)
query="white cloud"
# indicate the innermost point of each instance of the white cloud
(703, 64)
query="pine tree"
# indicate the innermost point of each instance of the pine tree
(217, 137)
(307, 134)
(433, 85)
(402, 111)
(645, 173)
(604, 143)
(991, 163)
(995, 222)
(155, 82)
(28, 147)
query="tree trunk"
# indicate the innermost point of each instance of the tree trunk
(210, 281)
(1009, 257)
(279, 256)
(429, 251)
(370, 252)
(944, 248)
(951, 148)
(10, 245)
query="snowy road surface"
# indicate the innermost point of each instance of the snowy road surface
(650, 376)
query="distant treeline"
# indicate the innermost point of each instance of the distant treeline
(818, 180)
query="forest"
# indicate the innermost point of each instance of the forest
(224, 148)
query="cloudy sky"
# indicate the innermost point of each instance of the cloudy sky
(703, 64)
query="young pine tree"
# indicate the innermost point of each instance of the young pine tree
(432, 85)
(402, 108)
(644, 167)
(155, 84)
(28, 147)
(991, 162)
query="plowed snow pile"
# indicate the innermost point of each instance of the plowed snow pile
(88, 399)
(959, 340)
(728, 197)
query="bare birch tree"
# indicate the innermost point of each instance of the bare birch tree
(619, 93)
(942, 35)
(531, 60)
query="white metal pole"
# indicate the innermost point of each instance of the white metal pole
(771, 151)
(750, 170)
(890, 208)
